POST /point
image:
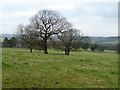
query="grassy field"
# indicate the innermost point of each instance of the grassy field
(22, 69)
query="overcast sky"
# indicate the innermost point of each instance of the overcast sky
(92, 17)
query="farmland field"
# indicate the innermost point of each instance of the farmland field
(22, 69)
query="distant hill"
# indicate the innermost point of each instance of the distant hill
(105, 40)
(7, 35)
(97, 40)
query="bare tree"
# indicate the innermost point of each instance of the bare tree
(47, 23)
(27, 36)
(68, 37)
(76, 43)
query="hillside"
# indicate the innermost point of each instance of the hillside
(105, 40)
(98, 40)
(7, 35)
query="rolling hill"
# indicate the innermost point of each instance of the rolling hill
(105, 40)
(98, 40)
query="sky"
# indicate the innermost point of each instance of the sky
(91, 17)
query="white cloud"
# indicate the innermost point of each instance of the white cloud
(96, 26)
(91, 17)
(61, 7)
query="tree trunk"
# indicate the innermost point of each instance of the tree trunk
(45, 47)
(30, 49)
(39, 50)
(67, 51)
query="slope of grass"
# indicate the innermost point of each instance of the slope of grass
(22, 69)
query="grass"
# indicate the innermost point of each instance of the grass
(22, 69)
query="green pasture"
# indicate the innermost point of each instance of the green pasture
(22, 69)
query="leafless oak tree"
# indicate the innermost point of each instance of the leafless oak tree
(27, 36)
(47, 23)
(69, 37)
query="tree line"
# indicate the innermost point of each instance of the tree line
(13, 42)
